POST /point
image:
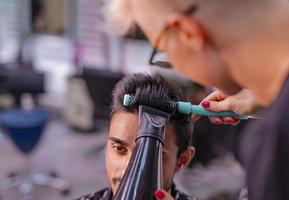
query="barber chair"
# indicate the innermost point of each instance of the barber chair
(25, 126)
(100, 84)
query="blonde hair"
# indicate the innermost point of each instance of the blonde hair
(220, 17)
(119, 16)
(119, 13)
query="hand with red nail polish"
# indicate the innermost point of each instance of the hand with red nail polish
(243, 103)
(163, 195)
(205, 104)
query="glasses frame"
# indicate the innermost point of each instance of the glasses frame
(164, 64)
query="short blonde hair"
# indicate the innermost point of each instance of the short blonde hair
(220, 17)
(119, 13)
(119, 16)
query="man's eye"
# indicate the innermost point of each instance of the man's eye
(119, 149)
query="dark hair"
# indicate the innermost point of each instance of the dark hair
(153, 89)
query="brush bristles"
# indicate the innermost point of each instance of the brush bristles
(128, 100)
(132, 101)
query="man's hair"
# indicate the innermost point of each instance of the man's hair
(153, 88)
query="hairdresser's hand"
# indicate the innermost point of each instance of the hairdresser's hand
(243, 103)
(163, 195)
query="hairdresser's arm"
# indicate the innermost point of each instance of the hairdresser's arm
(242, 103)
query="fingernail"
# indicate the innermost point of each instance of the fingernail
(236, 120)
(230, 121)
(160, 194)
(206, 104)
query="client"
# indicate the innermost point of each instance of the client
(177, 152)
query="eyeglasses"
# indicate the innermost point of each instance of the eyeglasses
(162, 63)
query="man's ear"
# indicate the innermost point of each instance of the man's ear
(189, 30)
(185, 158)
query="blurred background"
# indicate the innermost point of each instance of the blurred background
(56, 58)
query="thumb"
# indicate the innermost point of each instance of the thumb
(216, 106)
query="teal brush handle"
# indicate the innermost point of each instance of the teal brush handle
(188, 108)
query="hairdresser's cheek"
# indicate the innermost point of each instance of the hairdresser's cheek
(187, 63)
(176, 58)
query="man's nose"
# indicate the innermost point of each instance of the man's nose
(125, 164)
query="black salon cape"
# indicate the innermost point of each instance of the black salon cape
(265, 151)
(106, 194)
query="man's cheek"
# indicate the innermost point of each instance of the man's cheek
(109, 162)
(167, 179)
(115, 165)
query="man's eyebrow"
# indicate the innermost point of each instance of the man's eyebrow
(117, 140)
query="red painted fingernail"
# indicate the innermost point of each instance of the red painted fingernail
(206, 104)
(236, 120)
(160, 194)
(218, 122)
(230, 121)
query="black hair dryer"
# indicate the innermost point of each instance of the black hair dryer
(144, 173)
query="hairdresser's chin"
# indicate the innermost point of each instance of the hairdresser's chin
(231, 89)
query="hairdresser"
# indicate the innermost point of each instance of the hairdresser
(230, 45)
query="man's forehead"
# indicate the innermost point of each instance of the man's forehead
(124, 127)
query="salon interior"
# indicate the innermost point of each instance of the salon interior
(58, 68)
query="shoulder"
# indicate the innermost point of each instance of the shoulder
(267, 131)
(104, 194)
(279, 110)
(183, 196)
(275, 118)
(178, 195)
(262, 143)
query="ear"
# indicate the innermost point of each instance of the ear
(185, 158)
(190, 31)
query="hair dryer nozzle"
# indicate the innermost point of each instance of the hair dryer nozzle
(144, 171)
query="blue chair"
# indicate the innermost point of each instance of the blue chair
(25, 128)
